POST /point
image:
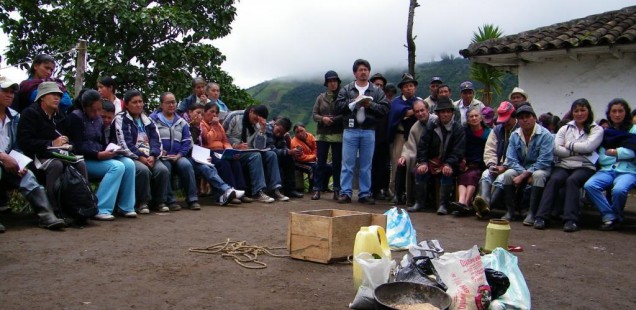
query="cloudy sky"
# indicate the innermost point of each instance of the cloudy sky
(296, 38)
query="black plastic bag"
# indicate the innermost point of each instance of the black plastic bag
(421, 270)
(498, 282)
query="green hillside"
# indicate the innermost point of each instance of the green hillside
(295, 99)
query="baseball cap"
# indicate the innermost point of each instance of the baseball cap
(436, 79)
(504, 112)
(488, 114)
(467, 85)
(10, 84)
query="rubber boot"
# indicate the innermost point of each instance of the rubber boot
(444, 197)
(39, 202)
(420, 198)
(481, 203)
(495, 198)
(509, 202)
(535, 199)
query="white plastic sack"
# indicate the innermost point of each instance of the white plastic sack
(463, 273)
(374, 272)
(518, 295)
(399, 229)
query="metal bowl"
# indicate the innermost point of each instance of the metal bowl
(408, 293)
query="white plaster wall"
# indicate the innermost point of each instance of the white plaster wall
(553, 85)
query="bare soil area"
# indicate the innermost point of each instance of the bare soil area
(144, 263)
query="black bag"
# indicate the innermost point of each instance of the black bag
(74, 195)
(421, 270)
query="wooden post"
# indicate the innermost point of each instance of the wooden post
(410, 40)
(80, 66)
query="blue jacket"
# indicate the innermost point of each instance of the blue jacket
(124, 130)
(14, 116)
(175, 139)
(87, 135)
(625, 162)
(539, 154)
(186, 103)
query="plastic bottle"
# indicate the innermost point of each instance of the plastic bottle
(371, 239)
(497, 233)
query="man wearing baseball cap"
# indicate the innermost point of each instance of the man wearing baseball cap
(435, 82)
(466, 102)
(530, 154)
(11, 175)
(491, 182)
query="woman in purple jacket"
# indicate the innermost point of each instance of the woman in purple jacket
(139, 139)
(117, 173)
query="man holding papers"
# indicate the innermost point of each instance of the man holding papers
(361, 104)
(13, 174)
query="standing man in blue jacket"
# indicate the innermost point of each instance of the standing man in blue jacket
(360, 115)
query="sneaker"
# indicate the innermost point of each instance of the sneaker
(279, 196)
(539, 223)
(175, 207)
(570, 226)
(192, 206)
(142, 208)
(239, 193)
(262, 197)
(104, 217)
(228, 196)
(162, 208)
(609, 225)
(131, 214)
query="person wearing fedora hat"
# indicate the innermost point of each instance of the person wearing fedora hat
(361, 104)
(517, 96)
(529, 154)
(43, 125)
(328, 136)
(11, 176)
(401, 119)
(491, 181)
(439, 154)
(466, 102)
(41, 70)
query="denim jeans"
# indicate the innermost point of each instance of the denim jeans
(230, 172)
(210, 174)
(26, 184)
(322, 167)
(619, 183)
(357, 142)
(117, 183)
(184, 169)
(151, 184)
(252, 161)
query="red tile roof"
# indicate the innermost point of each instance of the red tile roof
(605, 29)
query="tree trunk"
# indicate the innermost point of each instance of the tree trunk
(410, 40)
(487, 98)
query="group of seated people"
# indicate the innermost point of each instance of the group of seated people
(405, 146)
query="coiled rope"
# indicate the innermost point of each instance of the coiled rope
(243, 254)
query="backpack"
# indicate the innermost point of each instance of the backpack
(74, 195)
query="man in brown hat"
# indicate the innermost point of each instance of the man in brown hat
(11, 175)
(401, 119)
(439, 153)
(494, 158)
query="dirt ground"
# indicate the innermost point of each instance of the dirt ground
(144, 263)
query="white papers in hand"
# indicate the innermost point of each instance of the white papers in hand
(201, 155)
(22, 160)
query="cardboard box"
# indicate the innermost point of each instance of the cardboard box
(327, 236)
